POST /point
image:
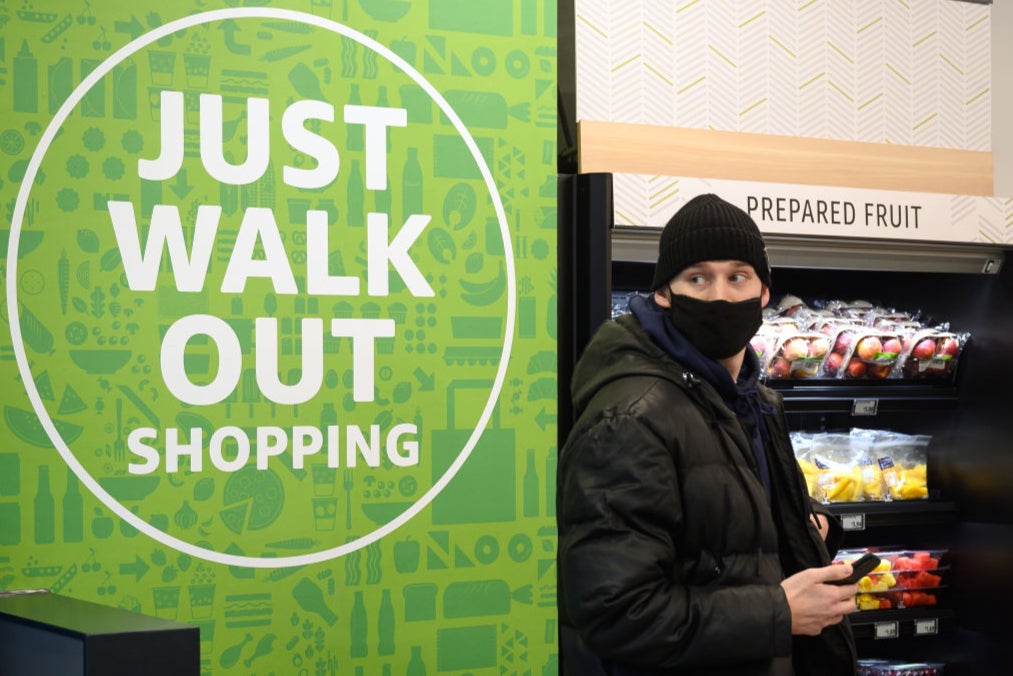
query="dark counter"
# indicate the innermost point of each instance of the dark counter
(44, 634)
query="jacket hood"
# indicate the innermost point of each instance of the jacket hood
(619, 349)
(646, 344)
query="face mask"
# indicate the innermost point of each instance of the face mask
(718, 328)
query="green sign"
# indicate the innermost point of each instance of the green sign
(281, 358)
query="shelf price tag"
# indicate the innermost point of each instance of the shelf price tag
(928, 626)
(865, 407)
(853, 521)
(886, 629)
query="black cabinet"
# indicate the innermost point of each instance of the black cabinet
(969, 511)
(44, 634)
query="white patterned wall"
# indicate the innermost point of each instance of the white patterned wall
(912, 72)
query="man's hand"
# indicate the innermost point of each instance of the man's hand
(815, 605)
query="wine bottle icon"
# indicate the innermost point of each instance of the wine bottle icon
(385, 625)
(310, 598)
(45, 510)
(416, 667)
(73, 511)
(358, 626)
(531, 486)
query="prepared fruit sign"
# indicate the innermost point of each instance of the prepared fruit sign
(825, 211)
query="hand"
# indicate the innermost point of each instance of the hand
(822, 524)
(815, 605)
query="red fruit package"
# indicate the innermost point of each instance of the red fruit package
(932, 353)
(863, 353)
(797, 355)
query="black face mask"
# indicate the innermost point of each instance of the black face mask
(718, 328)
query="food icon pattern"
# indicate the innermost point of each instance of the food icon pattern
(464, 575)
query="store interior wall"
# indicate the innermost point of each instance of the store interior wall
(1002, 98)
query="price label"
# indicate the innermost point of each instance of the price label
(853, 521)
(865, 407)
(886, 629)
(928, 626)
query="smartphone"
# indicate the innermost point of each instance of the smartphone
(859, 569)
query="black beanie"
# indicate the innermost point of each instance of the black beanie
(707, 228)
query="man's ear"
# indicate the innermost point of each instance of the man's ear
(764, 296)
(662, 298)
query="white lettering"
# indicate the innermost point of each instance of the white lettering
(271, 441)
(411, 447)
(174, 449)
(314, 145)
(258, 223)
(166, 231)
(400, 444)
(229, 364)
(135, 442)
(312, 372)
(379, 253)
(363, 332)
(376, 120)
(318, 278)
(212, 150)
(306, 440)
(170, 110)
(217, 454)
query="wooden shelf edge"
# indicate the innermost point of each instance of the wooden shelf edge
(767, 158)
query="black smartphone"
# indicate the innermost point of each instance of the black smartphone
(859, 569)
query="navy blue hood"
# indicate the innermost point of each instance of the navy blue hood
(740, 396)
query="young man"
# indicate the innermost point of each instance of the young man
(687, 541)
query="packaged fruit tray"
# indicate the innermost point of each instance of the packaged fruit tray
(903, 579)
(797, 355)
(931, 353)
(863, 465)
(863, 353)
(899, 668)
(854, 341)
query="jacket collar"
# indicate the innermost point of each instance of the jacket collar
(659, 327)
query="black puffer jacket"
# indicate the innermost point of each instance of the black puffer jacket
(670, 555)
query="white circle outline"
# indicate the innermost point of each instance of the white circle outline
(15, 324)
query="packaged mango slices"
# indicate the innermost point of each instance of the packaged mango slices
(863, 465)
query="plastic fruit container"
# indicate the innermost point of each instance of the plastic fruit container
(797, 355)
(863, 353)
(932, 354)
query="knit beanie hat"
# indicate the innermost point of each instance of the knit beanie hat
(707, 228)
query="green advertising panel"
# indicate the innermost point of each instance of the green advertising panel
(279, 283)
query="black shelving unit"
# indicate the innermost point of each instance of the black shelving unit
(884, 625)
(862, 516)
(969, 511)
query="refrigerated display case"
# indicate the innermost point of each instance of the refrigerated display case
(968, 512)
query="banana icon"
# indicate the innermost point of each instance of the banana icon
(484, 293)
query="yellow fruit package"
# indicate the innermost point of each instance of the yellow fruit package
(902, 459)
(839, 478)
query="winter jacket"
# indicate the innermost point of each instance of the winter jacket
(670, 554)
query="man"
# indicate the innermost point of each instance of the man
(687, 541)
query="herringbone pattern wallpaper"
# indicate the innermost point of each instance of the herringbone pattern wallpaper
(913, 72)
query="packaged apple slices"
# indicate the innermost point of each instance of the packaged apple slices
(766, 337)
(863, 353)
(931, 353)
(797, 355)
